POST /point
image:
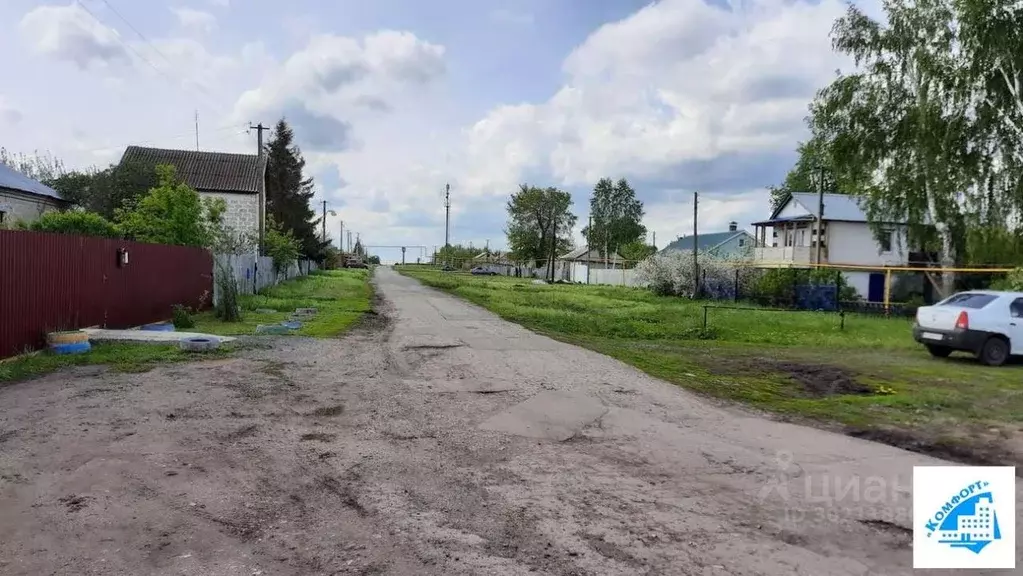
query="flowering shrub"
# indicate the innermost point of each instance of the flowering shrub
(671, 274)
(1013, 281)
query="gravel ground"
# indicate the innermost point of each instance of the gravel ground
(434, 439)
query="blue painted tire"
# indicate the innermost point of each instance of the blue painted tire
(74, 348)
(293, 325)
(159, 327)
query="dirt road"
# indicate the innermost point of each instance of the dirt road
(437, 439)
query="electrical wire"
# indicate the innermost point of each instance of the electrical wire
(176, 81)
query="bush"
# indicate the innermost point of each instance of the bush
(75, 222)
(671, 273)
(1013, 281)
(183, 318)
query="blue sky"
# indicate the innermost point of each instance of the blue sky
(392, 99)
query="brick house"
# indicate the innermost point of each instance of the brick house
(236, 178)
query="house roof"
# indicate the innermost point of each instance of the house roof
(207, 171)
(14, 180)
(583, 254)
(705, 241)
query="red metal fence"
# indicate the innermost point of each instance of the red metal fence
(54, 282)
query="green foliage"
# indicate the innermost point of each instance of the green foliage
(777, 285)
(172, 213)
(104, 191)
(616, 217)
(1013, 282)
(457, 255)
(288, 192)
(534, 216)
(75, 222)
(280, 245)
(812, 164)
(122, 357)
(636, 251)
(373, 260)
(182, 318)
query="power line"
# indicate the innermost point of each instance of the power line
(177, 81)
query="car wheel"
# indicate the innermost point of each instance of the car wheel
(995, 351)
(939, 351)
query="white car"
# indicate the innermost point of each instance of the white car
(986, 323)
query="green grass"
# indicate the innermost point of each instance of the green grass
(341, 297)
(782, 362)
(122, 357)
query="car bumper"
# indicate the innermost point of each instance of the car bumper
(968, 340)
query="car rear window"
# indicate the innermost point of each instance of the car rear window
(968, 300)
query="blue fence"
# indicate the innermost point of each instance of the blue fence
(817, 297)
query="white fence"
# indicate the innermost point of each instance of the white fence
(254, 273)
(574, 272)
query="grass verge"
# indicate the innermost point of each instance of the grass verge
(341, 298)
(868, 379)
(120, 356)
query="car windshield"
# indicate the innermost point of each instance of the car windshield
(969, 300)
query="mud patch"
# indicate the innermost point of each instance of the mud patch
(899, 537)
(328, 411)
(965, 452)
(816, 380)
(74, 503)
(317, 437)
(243, 432)
(610, 550)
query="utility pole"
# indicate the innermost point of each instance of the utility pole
(447, 215)
(349, 241)
(197, 130)
(402, 255)
(696, 261)
(655, 241)
(589, 230)
(259, 128)
(554, 241)
(323, 221)
(820, 214)
(341, 238)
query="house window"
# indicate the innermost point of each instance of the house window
(3, 218)
(885, 240)
(742, 242)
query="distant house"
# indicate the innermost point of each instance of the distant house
(576, 266)
(235, 178)
(733, 244)
(24, 199)
(788, 239)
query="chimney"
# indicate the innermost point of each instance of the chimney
(733, 226)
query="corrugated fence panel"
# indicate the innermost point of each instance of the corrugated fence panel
(59, 282)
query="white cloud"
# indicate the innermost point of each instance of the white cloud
(195, 20)
(679, 81)
(221, 3)
(71, 33)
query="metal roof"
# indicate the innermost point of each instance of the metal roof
(14, 180)
(705, 241)
(836, 206)
(205, 171)
(579, 253)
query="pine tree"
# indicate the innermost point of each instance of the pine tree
(288, 192)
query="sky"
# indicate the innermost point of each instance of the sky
(391, 100)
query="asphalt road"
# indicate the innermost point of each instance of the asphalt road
(436, 439)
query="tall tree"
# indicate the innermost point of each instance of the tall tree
(811, 165)
(898, 132)
(535, 217)
(172, 213)
(616, 214)
(104, 191)
(288, 191)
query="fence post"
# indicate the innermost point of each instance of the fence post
(735, 290)
(794, 303)
(838, 290)
(705, 317)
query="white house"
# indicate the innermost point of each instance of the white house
(788, 239)
(235, 178)
(23, 199)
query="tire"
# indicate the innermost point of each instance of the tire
(939, 351)
(198, 344)
(67, 337)
(994, 352)
(73, 348)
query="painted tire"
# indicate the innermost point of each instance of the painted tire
(293, 325)
(199, 344)
(73, 348)
(66, 337)
(305, 311)
(159, 327)
(271, 329)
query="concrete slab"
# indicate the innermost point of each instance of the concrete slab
(548, 416)
(102, 335)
